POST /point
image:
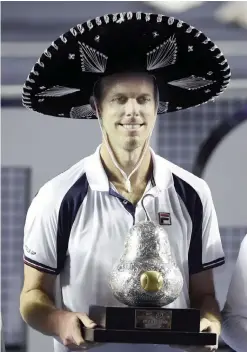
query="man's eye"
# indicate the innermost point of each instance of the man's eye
(121, 100)
(143, 100)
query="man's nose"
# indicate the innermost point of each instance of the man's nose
(132, 107)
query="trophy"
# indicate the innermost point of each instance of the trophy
(146, 279)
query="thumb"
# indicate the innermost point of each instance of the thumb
(204, 324)
(86, 321)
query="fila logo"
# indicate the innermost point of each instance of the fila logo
(165, 219)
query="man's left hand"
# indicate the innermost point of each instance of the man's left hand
(206, 325)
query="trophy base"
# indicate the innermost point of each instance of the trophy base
(147, 325)
(149, 337)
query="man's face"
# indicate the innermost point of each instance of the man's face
(128, 110)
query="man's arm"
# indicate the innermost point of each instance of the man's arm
(37, 306)
(202, 296)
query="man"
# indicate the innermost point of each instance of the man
(234, 327)
(77, 223)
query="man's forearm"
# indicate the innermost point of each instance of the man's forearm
(38, 311)
(209, 307)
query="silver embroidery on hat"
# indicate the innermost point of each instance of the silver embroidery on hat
(210, 73)
(54, 45)
(159, 18)
(41, 64)
(30, 80)
(25, 99)
(27, 87)
(228, 75)
(155, 34)
(180, 23)
(191, 83)
(97, 38)
(223, 62)
(163, 107)
(92, 60)
(189, 30)
(147, 17)
(47, 53)
(42, 87)
(106, 18)
(170, 20)
(198, 34)
(190, 48)
(40, 100)
(73, 31)
(89, 24)
(219, 55)
(114, 19)
(26, 103)
(57, 91)
(207, 90)
(213, 48)
(206, 41)
(79, 112)
(26, 94)
(80, 28)
(226, 68)
(121, 18)
(163, 55)
(129, 15)
(138, 15)
(64, 39)
(34, 72)
(98, 21)
(71, 56)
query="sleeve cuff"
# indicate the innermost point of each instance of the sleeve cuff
(39, 266)
(209, 265)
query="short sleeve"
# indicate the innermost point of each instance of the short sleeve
(206, 250)
(40, 233)
(212, 251)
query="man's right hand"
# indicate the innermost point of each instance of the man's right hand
(70, 328)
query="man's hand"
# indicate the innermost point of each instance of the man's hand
(70, 328)
(206, 325)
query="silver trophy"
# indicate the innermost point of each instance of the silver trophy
(145, 279)
(146, 274)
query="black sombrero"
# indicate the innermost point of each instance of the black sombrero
(188, 67)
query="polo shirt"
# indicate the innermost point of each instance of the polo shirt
(77, 224)
(234, 325)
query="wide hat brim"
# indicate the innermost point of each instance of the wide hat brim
(189, 68)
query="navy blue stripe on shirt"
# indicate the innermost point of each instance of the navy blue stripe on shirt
(194, 207)
(67, 214)
(39, 266)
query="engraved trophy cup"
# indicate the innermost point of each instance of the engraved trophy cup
(146, 279)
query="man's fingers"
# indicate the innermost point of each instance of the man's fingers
(77, 335)
(204, 324)
(86, 321)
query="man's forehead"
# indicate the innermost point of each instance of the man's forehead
(124, 81)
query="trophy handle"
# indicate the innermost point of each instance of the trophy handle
(142, 203)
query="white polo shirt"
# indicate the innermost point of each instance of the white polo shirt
(77, 224)
(234, 327)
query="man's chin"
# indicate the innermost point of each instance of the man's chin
(132, 144)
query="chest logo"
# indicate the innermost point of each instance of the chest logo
(165, 219)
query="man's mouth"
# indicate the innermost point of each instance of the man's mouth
(132, 126)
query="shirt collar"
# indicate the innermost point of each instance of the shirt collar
(98, 180)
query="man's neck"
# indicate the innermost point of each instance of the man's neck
(127, 161)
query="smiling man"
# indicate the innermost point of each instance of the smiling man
(124, 70)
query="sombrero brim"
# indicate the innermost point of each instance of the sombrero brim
(189, 68)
